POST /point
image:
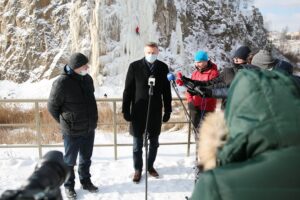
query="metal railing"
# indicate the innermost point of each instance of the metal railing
(114, 123)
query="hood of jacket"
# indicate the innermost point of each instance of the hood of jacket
(262, 114)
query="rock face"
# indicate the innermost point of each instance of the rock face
(37, 37)
(31, 36)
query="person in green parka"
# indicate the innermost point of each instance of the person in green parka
(260, 159)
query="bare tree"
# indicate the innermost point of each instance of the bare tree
(283, 38)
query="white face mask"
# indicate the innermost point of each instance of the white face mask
(83, 72)
(151, 58)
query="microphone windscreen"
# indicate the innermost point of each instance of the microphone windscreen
(171, 77)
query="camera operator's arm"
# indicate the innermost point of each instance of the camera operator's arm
(218, 93)
(55, 100)
(223, 80)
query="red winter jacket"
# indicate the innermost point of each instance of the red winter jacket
(208, 104)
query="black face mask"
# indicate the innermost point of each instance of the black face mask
(238, 65)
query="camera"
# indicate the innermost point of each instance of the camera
(44, 182)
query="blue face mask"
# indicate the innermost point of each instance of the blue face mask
(151, 58)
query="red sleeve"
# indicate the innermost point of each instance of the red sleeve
(214, 72)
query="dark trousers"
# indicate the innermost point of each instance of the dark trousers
(84, 146)
(138, 152)
(196, 117)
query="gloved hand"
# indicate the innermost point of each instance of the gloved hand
(200, 91)
(166, 116)
(127, 116)
(206, 92)
(178, 79)
(188, 83)
(179, 82)
(192, 92)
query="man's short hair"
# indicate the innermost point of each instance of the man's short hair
(152, 44)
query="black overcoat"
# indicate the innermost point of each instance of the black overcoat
(136, 96)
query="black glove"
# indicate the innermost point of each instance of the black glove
(203, 91)
(192, 92)
(166, 116)
(188, 83)
(200, 91)
(127, 116)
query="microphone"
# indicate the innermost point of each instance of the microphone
(171, 76)
(151, 81)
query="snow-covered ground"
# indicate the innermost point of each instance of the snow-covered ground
(113, 177)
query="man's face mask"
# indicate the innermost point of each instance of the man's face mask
(151, 58)
(83, 72)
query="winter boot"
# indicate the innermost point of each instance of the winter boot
(88, 185)
(70, 193)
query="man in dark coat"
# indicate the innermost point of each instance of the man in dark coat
(135, 104)
(72, 104)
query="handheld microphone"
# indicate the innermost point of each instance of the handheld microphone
(151, 81)
(171, 76)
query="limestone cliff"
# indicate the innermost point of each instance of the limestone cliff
(37, 37)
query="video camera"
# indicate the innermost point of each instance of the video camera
(44, 182)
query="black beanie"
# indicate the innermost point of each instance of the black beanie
(242, 52)
(77, 60)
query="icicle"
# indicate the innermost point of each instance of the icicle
(75, 26)
(95, 40)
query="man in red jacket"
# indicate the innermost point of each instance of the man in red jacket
(199, 106)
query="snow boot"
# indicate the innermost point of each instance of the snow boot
(70, 193)
(86, 184)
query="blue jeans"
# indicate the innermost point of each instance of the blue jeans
(84, 146)
(138, 152)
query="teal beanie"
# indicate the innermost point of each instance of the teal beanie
(201, 56)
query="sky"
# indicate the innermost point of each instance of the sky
(279, 14)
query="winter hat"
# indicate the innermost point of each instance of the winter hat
(263, 59)
(201, 56)
(77, 60)
(284, 66)
(242, 52)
